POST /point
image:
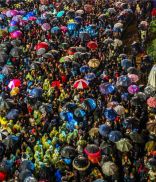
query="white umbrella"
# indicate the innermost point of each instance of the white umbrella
(152, 77)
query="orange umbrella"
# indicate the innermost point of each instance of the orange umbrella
(92, 45)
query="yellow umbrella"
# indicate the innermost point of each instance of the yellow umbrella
(123, 145)
(94, 63)
(93, 132)
(150, 146)
(14, 91)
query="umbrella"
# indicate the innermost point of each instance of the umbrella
(3, 57)
(152, 162)
(16, 52)
(151, 102)
(150, 146)
(136, 137)
(10, 141)
(55, 30)
(89, 104)
(16, 34)
(46, 26)
(133, 89)
(68, 152)
(141, 96)
(126, 63)
(118, 25)
(107, 88)
(84, 69)
(72, 26)
(132, 70)
(94, 63)
(70, 106)
(16, 42)
(79, 12)
(60, 14)
(149, 91)
(24, 174)
(90, 76)
(81, 84)
(14, 83)
(84, 36)
(93, 132)
(93, 153)
(65, 59)
(80, 113)
(123, 145)
(67, 116)
(108, 40)
(110, 114)
(81, 163)
(151, 127)
(137, 101)
(131, 122)
(109, 168)
(3, 105)
(41, 48)
(104, 129)
(133, 77)
(119, 109)
(13, 28)
(123, 81)
(106, 148)
(3, 176)
(36, 92)
(2, 76)
(92, 45)
(55, 84)
(30, 179)
(27, 165)
(12, 114)
(14, 91)
(115, 136)
(152, 77)
(3, 134)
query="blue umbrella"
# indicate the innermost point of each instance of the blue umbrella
(80, 113)
(90, 76)
(89, 104)
(36, 92)
(115, 136)
(72, 26)
(60, 14)
(110, 114)
(84, 69)
(70, 125)
(126, 63)
(2, 76)
(67, 116)
(29, 14)
(78, 19)
(2, 16)
(55, 30)
(13, 23)
(123, 81)
(12, 114)
(104, 130)
(107, 88)
(40, 21)
(125, 96)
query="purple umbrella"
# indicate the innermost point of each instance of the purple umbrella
(133, 89)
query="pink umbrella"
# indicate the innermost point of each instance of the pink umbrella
(81, 84)
(133, 89)
(133, 77)
(23, 22)
(64, 29)
(32, 18)
(152, 102)
(17, 18)
(14, 83)
(46, 27)
(16, 34)
(11, 13)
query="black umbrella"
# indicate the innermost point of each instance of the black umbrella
(24, 174)
(81, 163)
(27, 165)
(132, 70)
(68, 152)
(136, 137)
(11, 141)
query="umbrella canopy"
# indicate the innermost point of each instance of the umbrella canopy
(123, 145)
(24, 174)
(115, 136)
(84, 69)
(107, 88)
(46, 27)
(132, 70)
(93, 132)
(3, 134)
(106, 148)
(104, 129)
(92, 45)
(80, 113)
(14, 83)
(123, 81)
(110, 114)
(36, 92)
(149, 91)
(151, 127)
(4, 106)
(151, 102)
(12, 114)
(134, 78)
(81, 84)
(10, 141)
(126, 63)
(68, 152)
(131, 122)
(16, 52)
(81, 163)
(27, 165)
(109, 168)
(120, 110)
(90, 76)
(89, 104)
(133, 89)
(94, 63)
(6, 70)
(152, 77)
(136, 137)
(150, 146)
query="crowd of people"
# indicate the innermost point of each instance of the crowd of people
(75, 103)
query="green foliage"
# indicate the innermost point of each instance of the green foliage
(151, 49)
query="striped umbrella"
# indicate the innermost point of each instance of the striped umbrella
(81, 84)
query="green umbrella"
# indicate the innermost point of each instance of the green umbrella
(65, 59)
(123, 145)
(136, 137)
(109, 168)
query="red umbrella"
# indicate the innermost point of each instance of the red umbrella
(153, 13)
(151, 102)
(41, 45)
(81, 84)
(71, 51)
(56, 83)
(92, 45)
(2, 176)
